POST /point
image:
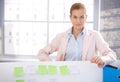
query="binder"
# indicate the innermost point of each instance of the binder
(111, 74)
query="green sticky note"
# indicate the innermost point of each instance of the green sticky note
(20, 81)
(42, 69)
(64, 69)
(18, 71)
(52, 69)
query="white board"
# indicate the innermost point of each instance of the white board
(79, 71)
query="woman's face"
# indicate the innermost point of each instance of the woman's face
(78, 18)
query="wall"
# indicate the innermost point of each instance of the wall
(1, 20)
(110, 23)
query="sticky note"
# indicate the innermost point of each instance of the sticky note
(20, 81)
(64, 69)
(42, 69)
(52, 69)
(18, 71)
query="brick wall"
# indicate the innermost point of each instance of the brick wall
(110, 23)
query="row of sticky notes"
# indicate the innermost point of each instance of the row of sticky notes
(43, 69)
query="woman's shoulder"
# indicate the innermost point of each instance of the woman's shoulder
(94, 32)
(62, 34)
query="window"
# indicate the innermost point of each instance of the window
(29, 24)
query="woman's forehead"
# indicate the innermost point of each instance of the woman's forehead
(79, 12)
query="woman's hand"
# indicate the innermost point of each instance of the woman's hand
(98, 61)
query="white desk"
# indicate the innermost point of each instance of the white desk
(79, 71)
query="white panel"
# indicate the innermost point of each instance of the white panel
(40, 10)
(86, 72)
(11, 9)
(25, 38)
(11, 29)
(39, 36)
(56, 28)
(56, 10)
(11, 46)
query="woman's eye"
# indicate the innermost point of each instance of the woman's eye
(82, 17)
(75, 17)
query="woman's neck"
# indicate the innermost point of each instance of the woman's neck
(76, 32)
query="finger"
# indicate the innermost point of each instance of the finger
(93, 59)
(100, 65)
(98, 60)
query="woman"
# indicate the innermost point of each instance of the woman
(79, 43)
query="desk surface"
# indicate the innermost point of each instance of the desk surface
(79, 71)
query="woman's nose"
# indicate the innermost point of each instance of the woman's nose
(78, 20)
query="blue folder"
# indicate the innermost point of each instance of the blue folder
(111, 74)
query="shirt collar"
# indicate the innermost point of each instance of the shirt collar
(70, 32)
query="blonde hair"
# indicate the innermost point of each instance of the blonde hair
(77, 6)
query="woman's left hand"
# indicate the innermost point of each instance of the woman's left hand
(98, 61)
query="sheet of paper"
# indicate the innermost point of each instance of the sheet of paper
(64, 69)
(18, 71)
(74, 69)
(31, 69)
(42, 69)
(52, 69)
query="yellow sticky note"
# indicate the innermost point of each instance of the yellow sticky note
(20, 81)
(18, 71)
(64, 69)
(42, 69)
(52, 69)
